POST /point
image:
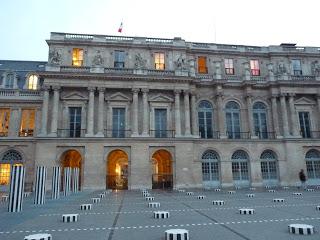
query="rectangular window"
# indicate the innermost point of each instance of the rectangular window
(118, 122)
(4, 119)
(296, 66)
(159, 61)
(228, 66)
(254, 68)
(160, 123)
(74, 122)
(27, 124)
(304, 124)
(33, 82)
(9, 81)
(202, 65)
(119, 57)
(77, 57)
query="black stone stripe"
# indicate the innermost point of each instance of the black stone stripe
(116, 218)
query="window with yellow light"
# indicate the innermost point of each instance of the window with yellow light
(159, 61)
(4, 121)
(77, 57)
(5, 169)
(27, 122)
(202, 65)
(33, 82)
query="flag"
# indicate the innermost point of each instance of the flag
(120, 28)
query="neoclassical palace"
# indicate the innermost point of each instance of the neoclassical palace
(133, 112)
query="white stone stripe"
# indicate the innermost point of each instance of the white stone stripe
(16, 188)
(66, 181)
(75, 180)
(40, 186)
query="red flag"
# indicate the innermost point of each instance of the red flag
(120, 28)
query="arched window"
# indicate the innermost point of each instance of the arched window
(10, 158)
(260, 120)
(268, 165)
(313, 164)
(210, 166)
(9, 80)
(205, 115)
(233, 120)
(33, 82)
(240, 170)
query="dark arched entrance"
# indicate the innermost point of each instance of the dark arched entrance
(72, 159)
(162, 177)
(117, 170)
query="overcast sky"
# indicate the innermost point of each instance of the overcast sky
(26, 24)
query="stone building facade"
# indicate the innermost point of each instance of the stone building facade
(135, 112)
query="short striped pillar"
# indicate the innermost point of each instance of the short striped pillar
(40, 187)
(75, 180)
(16, 188)
(56, 177)
(66, 181)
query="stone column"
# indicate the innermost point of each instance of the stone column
(90, 116)
(55, 110)
(270, 72)
(250, 117)
(44, 117)
(100, 113)
(284, 115)
(194, 123)
(318, 105)
(177, 113)
(14, 122)
(221, 122)
(145, 131)
(187, 113)
(135, 131)
(217, 65)
(247, 74)
(275, 116)
(293, 117)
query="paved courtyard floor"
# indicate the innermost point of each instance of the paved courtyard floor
(123, 215)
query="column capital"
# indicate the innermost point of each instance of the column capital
(56, 87)
(248, 96)
(274, 95)
(145, 90)
(283, 94)
(101, 89)
(177, 91)
(135, 90)
(291, 95)
(91, 89)
(45, 88)
(187, 91)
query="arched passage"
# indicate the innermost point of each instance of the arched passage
(72, 159)
(210, 169)
(117, 170)
(9, 158)
(162, 177)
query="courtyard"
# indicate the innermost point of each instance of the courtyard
(124, 215)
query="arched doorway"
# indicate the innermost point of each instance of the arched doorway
(269, 168)
(240, 169)
(210, 169)
(162, 177)
(313, 167)
(9, 159)
(72, 159)
(117, 170)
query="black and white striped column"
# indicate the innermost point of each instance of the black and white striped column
(56, 176)
(16, 188)
(66, 181)
(75, 180)
(40, 187)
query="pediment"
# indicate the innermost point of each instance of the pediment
(160, 98)
(74, 96)
(304, 101)
(119, 97)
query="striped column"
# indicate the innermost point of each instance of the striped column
(66, 181)
(40, 188)
(75, 180)
(56, 176)
(16, 188)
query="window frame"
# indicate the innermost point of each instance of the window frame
(119, 59)
(34, 83)
(159, 61)
(202, 69)
(77, 57)
(229, 66)
(296, 71)
(28, 130)
(255, 67)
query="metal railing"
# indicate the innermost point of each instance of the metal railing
(162, 181)
(26, 133)
(162, 133)
(310, 134)
(238, 135)
(266, 135)
(71, 133)
(117, 182)
(210, 135)
(3, 134)
(303, 78)
(117, 133)
(74, 69)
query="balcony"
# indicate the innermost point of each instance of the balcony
(238, 135)
(303, 78)
(75, 69)
(117, 133)
(162, 133)
(3, 134)
(209, 135)
(71, 133)
(310, 134)
(266, 135)
(26, 133)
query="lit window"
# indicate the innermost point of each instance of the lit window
(4, 122)
(33, 82)
(254, 67)
(159, 61)
(27, 123)
(77, 57)
(296, 65)
(202, 65)
(228, 66)
(119, 57)
(4, 174)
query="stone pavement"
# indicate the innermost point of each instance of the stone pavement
(125, 215)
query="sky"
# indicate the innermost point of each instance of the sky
(26, 24)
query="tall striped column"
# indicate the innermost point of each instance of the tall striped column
(40, 187)
(75, 180)
(66, 181)
(16, 188)
(56, 176)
